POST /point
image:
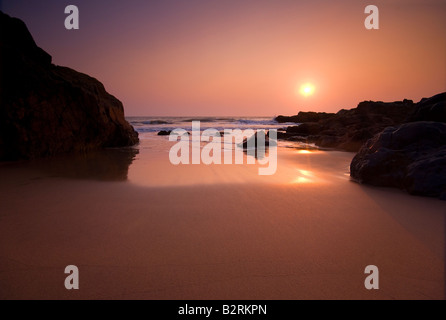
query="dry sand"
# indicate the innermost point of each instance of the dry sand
(213, 232)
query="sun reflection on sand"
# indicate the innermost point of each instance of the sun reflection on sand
(306, 173)
(295, 167)
(305, 176)
(301, 180)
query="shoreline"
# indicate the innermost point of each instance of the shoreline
(217, 232)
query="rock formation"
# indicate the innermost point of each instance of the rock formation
(303, 117)
(349, 129)
(430, 109)
(47, 109)
(401, 144)
(411, 157)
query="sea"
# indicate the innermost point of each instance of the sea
(147, 127)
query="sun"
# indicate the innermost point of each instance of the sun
(307, 89)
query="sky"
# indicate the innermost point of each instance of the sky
(246, 58)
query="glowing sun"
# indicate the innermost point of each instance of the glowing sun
(307, 89)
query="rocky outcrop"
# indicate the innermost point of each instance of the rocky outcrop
(47, 109)
(401, 144)
(303, 117)
(305, 129)
(430, 109)
(410, 157)
(349, 129)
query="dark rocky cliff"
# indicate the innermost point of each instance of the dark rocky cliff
(47, 109)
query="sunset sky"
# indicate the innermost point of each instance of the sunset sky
(246, 58)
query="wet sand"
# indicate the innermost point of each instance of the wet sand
(145, 229)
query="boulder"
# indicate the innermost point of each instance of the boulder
(256, 142)
(47, 109)
(411, 156)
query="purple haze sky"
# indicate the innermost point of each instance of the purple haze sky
(246, 58)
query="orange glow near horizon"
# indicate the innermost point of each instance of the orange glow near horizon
(247, 58)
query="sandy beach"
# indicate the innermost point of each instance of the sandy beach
(138, 227)
(110, 110)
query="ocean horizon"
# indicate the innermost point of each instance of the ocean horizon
(150, 124)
